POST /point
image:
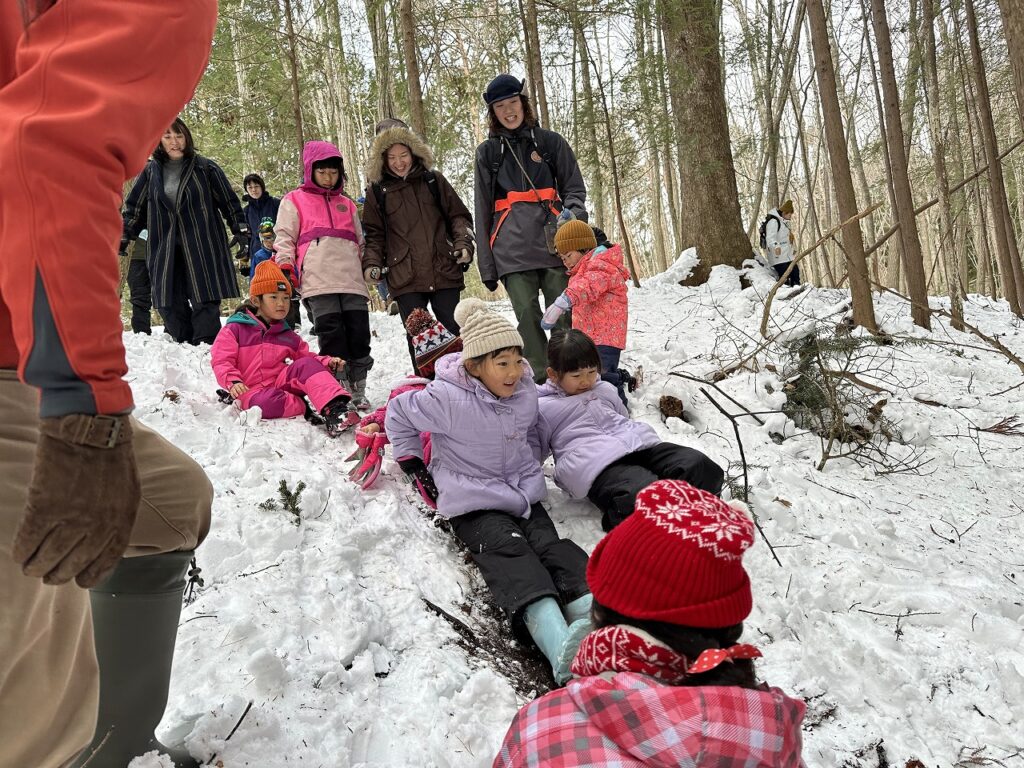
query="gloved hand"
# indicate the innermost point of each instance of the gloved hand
(82, 499)
(555, 311)
(122, 249)
(464, 257)
(491, 285)
(371, 274)
(244, 237)
(289, 272)
(418, 473)
(369, 453)
(564, 216)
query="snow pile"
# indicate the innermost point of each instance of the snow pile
(678, 270)
(897, 612)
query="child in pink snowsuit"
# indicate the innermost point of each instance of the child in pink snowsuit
(596, 295)
(251, 355)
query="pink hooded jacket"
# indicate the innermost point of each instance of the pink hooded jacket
(597, 290)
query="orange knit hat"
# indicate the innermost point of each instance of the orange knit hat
(268, 279)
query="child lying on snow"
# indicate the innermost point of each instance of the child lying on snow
(251, 355)
(599, 452)
(481, 411)
(430, 341)
(663, 680)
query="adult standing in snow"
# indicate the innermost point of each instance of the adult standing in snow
(140, 290)
(260, 205)
(83, 483)
(184, 200)
(526, 177)
(663, 680)
(779, 241)
(419, 236)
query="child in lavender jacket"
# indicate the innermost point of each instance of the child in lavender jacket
(481, 411)
(599, 452)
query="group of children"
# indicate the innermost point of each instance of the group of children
(656, 611)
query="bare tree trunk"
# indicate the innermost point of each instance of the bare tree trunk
(412, 68)
(1006, 242)
(590, 151)
(675, 207)
(532, 34)
(711, 209)
(244, 98)
(341, 94)
(376, 18)
(913, 259)
(292, 71)
(945, 249)
(853, 240)
(1013, 29)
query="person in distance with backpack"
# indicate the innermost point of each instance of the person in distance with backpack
(526, 178)
(419, 235)
(777, 241)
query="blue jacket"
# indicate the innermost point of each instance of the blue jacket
(255, 212)
(257, 258)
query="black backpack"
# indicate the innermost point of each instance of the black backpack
(380, 194)
(763, 229)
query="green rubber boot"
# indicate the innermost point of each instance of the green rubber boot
(135, 616)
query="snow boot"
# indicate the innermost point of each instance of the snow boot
(578, 609)
(358, 391)
(135, 616)
(557, 640)
(338, 416)
(393, 308)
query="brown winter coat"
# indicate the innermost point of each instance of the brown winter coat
(415, 247)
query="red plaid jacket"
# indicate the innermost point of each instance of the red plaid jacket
(630, 720)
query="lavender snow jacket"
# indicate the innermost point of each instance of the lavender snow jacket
(483, 449)
(586, 433)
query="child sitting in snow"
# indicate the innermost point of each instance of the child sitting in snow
(596, 295)
(599, 452)
(663, 680)
(430, 341)
(251, 355)
(481, 411)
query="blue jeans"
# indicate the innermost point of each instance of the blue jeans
(610, 368)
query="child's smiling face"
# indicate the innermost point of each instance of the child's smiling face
(500, 373)
(575, 382)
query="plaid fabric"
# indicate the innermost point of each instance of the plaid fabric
(631, 720)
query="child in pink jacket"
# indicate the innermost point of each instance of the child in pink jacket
(251, 356)
(596, 295)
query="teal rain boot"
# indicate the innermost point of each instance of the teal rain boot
(135, 616)
(556, 640)
(578, 609)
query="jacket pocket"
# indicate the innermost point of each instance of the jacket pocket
(400, 268)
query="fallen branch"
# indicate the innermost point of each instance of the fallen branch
(228, 737)
(720, 391)
(1008, 426)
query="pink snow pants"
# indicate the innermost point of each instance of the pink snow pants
(284, 399)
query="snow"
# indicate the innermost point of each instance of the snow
(898, 612)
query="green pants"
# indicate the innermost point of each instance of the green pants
(522, 288)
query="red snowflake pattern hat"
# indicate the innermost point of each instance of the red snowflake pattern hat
(676, 559)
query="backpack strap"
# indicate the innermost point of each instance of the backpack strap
(546, 156)
(380, 195)
(431, 178)
(495, 156)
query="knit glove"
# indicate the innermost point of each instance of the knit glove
(564, 216)
(82, 499)
(464, 257)
(555, 311)
(371, 274)
(419, 475)
(491, 285)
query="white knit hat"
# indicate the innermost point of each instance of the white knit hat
(483, 331)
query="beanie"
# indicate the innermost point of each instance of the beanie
(266, 227)
(676, 559)
(503, 87)
(430, 340)
(786, 207)
(268, 279)
(483, 331)
(575, 235)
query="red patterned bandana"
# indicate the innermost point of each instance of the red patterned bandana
(620, 648)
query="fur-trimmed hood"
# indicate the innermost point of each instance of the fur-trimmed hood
(385, 140)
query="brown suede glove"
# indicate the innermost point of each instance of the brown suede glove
(82, 500)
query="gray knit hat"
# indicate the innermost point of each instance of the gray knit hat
(483, 331)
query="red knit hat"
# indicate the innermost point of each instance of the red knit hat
(430, 340)
(676, 559)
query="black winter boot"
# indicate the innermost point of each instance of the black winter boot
(135, 616)
(338, 416)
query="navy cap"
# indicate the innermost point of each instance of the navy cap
(503, 87)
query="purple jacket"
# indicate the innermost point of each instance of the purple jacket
(483, 449)
(586, 433)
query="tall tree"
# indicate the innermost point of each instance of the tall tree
(531, 33)
(711, 206)
(1013, 27)
(853, 240)
(412, 68)
(913, 258)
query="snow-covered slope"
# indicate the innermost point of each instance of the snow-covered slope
(898, 612)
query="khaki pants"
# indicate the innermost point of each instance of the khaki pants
(49, 682)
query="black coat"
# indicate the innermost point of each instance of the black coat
(194, 223)
(265, 207)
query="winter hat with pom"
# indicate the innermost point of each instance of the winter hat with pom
(575, 235)
(430, 340)
(268, 279)
(483, 331)
(676, 559)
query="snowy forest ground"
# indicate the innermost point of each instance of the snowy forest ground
(897, 612)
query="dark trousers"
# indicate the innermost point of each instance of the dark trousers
(614, 490)
(610, 368)
(794, 276)
(522, 289)
(186, 318)
(140, 292)
(341, 323)
(523, 560)
(442, 306)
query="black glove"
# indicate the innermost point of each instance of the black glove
(491, 285)
(418, 473)
(122, 249)
(244, 238)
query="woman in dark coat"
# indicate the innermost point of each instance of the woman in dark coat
(260, 205)
(184, 200)
(421, 241)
